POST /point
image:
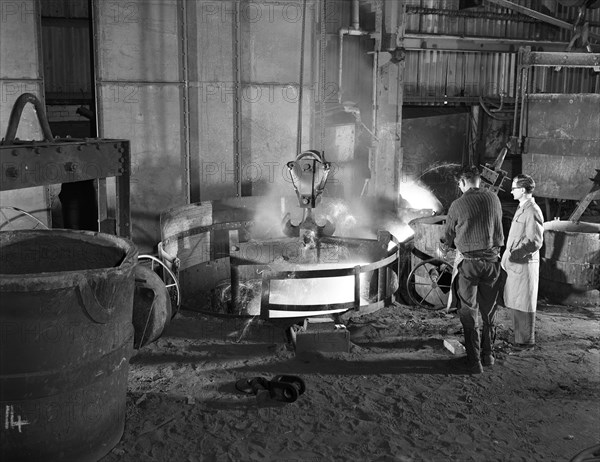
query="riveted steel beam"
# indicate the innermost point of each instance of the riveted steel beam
(542, 58)
(476, 44)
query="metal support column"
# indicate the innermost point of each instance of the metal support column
(389, 98)
(473, 134)
(237, 103)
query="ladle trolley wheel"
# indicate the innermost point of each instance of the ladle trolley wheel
(14, 218)
(429, 283)
(170, 280)
(588, 455)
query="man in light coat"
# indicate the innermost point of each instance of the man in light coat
(521, 261)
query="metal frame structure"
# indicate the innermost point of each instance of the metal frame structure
(26, 164)
(528, 59)
(40, 163)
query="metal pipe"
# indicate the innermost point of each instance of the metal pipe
(524, 89)
(518, 82)
(15, 118)
(355, 15)
(374, 89)
(93, 70)
(354, 29)
(341, 58)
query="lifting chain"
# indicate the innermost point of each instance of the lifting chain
(301, 79)
(237, 116)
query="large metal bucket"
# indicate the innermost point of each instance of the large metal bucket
(570, 263)
(221, 250)
(66, 340)
(428, 232)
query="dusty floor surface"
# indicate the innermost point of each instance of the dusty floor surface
(399, 395)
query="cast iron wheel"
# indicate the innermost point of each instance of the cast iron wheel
(588, 455)
(170, 280)
(428, 284)
(18, 216)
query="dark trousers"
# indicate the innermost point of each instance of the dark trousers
(477, 285)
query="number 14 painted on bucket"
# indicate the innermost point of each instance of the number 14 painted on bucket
(10, 422)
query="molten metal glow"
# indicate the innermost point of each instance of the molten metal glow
(309, 291)
(419, 196)
(400, 230)
(313, 291)
(419, 201)
(317, 291)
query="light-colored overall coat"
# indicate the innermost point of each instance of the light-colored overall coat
(521, 259)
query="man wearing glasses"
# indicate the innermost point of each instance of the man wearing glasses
(521, 261)
(474, 227)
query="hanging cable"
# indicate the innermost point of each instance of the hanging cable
(322, 73)
(496, 113)
(301, 80)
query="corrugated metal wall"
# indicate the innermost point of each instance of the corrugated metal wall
(438, 77)
(435, 77)
(432, 74)
(66, 50)
(445, 76)
(65, 8)
(489, 21)
(67, 61)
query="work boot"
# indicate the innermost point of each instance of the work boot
(487, 359)
(472, 346)
(487, 342)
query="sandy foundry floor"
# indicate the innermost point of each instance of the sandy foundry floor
(397, 396)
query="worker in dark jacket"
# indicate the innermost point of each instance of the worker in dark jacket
(474, 227)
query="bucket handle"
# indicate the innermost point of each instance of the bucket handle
(91, 305)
